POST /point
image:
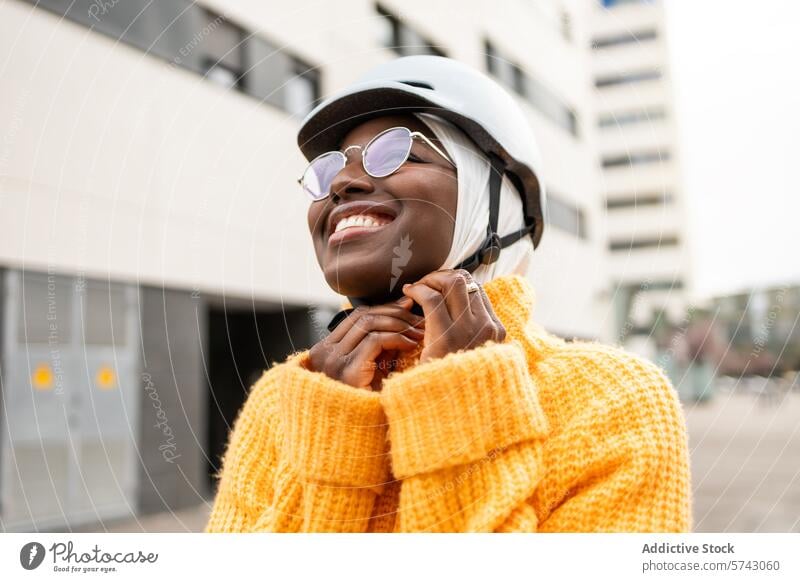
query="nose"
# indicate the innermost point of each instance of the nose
(351, 179)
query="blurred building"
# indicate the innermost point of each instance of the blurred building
(155, 256)
(760, 330)
(637, 142)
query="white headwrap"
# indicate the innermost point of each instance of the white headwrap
(472, 212)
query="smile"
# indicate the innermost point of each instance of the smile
(359, 225)
(363, 220)
(359, 218)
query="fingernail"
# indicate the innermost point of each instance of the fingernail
(406, 286)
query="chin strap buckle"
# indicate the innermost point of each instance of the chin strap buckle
(490, 251)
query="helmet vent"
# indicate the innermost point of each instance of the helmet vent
(417, 84)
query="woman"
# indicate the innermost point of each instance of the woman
(437, 404)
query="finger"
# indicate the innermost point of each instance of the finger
(477, 304)
(378, 341)
(483, 304)
(405, 302)
(452, 284)
(340, 330)
(374, 321)
(486, 303)
(399, 311)
(361, 367)
(432, 302)
(392, 309)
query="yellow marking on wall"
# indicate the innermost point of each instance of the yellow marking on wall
(42, 377)
(105, 378)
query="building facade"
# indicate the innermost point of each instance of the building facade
(638, 146)
(154, 251)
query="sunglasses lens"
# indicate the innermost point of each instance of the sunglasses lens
(320, 174)
(387, 152)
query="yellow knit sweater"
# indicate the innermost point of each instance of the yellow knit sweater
(533, 434)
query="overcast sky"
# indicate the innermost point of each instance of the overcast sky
(736, 69)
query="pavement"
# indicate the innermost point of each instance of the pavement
(745, 451)
(745, 462)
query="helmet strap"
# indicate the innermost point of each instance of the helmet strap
(489, 250)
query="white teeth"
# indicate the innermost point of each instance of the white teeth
(362, 221)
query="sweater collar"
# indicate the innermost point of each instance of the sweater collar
(513, 299)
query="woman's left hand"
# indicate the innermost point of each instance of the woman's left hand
(454, 318)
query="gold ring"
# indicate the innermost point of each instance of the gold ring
(472, 286)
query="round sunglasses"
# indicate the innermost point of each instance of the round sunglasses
(383, 155)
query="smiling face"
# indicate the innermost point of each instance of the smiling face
(369, 225)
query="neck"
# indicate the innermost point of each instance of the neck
(377, 299)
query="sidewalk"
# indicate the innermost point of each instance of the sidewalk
(191, 519)
(745, 463)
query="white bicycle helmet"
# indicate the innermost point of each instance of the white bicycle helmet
(468, 98)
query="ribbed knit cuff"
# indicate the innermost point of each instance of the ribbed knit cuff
(336, 433)
(457, 409)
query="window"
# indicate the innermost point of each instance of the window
(222, 58)
(203, 41)
(566, 216)
(643, 243)
(631, 117)
(635, 159)
(302, 90)
(623, 38)
(551, 106)
(627, 78)
(280, 79)
(388, 28)
(664, 285)
(401, 38)
(500, 68)
(638, 201)
(566, 25)
(170, 29)
(544, 100)
(612, 3)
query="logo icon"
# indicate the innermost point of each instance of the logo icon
(31, 555)
(402, 254)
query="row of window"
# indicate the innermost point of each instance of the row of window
(402, 39)
(639, 200)
(631, 117)
(548, 103)
(662, 285)
(566, 216)
(636, 159)
(612, 3)
(624, 38)
(198, 39)
(643, 243)
(629, 78)
(205, 42)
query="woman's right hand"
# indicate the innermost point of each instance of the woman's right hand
(349, 354)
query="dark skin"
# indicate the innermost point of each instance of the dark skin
(420, 199)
